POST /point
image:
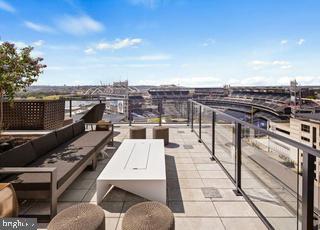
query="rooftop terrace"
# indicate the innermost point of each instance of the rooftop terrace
(198, 191)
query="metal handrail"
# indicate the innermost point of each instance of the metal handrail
(286, 140)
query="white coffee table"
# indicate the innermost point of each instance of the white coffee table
(138, 166)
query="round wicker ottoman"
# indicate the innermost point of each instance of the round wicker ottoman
(137, 132)
(103, 125)
(161, 132)
(79, 217)
(148, 216)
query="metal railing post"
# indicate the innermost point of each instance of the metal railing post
(129, 113)
(200, 124)
(213, 134)
(191, 116)
(160, 112)
(70, 108)
(308, 176)
(238, 158)
(188, 113)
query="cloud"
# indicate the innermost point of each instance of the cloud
(284, 42)
(7, 7)
(39, 27)
(192, 81)
(208, 42)
(258, 64)
(159, 57)
(301, 41)
(146, 3)
(79, 25)
(119, 44)
(116, 45)
(89, 51)
(38, 43)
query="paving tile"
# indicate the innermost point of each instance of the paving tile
(234, 209)
(184, 183)
(200, 160)
(269, 209)
(119, 226)
(228, 195)
(116, 194)
(111, 223)
(193, 194)
(112, 209)
(186, 167)
(182, 174)
(194, 209)
(243, 223)
(183, 160)
(187, 223)
(82, 184)
(43, 208)
(73, 195)
(178, 154)
(284, 223)
(212, 174)
(89, 174)
(210, 192)
(212, 166)
(91, 196)
(127, 205)
(218, 183)
(133, 197)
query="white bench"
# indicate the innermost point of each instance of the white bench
(138, 166)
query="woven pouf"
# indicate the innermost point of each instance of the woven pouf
(103, 125)
(161, 132)
(137, 132)
(148, 216)
(79, 217)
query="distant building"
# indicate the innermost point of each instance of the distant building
(303, 128)
(169, 92)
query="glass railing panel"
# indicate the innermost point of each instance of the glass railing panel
(116, 111)
(144, 111)
(196, 109)
(174, 111)
(206, 127)
(270, 177)
(78, 108)
(225, 143)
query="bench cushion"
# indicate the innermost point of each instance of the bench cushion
(66, 159)
(92, 139)
(78, 127)
(45, 144)
(64, 134)
(18, 156)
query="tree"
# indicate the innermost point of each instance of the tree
(18, 70)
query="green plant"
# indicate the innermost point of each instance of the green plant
(18, 70)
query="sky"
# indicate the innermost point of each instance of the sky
(199, 43)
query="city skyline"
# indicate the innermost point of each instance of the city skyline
(153, 42)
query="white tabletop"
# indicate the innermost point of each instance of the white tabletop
(137, 159)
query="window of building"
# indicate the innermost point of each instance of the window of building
(305, 139)
(305, 128)
(283, 131)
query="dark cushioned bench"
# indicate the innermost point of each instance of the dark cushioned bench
(59, 156)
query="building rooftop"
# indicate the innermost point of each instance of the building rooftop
(309, 116)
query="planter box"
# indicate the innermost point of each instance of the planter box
(34, 114)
